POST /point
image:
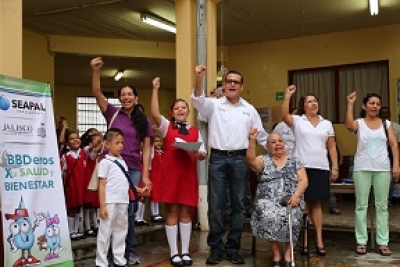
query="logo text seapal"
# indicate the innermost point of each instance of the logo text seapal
(29, 105)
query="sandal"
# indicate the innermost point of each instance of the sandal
(320, 250)
(384, 251)
(361, 249)
(276, 263)
(303, 250)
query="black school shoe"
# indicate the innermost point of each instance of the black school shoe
(215, 257)
(235, 258)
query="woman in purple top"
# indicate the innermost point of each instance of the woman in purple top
(136, 129)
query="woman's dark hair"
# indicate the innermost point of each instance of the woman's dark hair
(172, 108)
(365, 101)
(302, 100)
(139, 120)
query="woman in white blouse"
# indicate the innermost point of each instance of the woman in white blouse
(372, 168)
(314, 137)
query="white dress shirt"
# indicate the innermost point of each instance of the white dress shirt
(229, 125)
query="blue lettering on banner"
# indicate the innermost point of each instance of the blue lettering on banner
(23, 159)
(28, 185)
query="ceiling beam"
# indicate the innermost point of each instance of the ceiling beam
(111, 47)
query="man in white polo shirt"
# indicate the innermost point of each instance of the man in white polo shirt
(230, 119)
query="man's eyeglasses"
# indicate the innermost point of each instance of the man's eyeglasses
(235, 82)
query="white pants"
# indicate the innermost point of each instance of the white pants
(115, 226)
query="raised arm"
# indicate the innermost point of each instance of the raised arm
(256, 164)
(351, 124)
(96, 64)
(200, 72)
(286, 116)
(154, 107)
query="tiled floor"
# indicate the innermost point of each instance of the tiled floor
(339, 242)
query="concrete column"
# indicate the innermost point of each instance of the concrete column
(185, 14)
(11, 38)
(186, 25)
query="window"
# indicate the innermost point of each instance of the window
(89, 114)
(331, 85)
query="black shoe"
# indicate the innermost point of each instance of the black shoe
(334, 211)
(215, 257)
(176, 263)
(90, 232)
(157, 218)
(141, 222)
(187, 262)
(235, 258)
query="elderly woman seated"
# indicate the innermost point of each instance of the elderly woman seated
(280, 176)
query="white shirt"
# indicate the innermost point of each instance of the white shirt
(288, 136)
(164, 129)
(311, 141)
(117, 185)
(372, 153)
(229, 125)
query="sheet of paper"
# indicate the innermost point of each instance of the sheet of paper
(188, 146)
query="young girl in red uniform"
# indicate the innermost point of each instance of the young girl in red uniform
(92, 143)
(156, 177)
(73, 164)
(179, 188)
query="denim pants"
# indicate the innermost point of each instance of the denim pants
(380, 181)
(131, 237)
(226, 171)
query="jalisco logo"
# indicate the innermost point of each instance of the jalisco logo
(23, 129)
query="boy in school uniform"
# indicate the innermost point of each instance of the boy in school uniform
(114, 199)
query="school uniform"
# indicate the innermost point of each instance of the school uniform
(115, 226)
(74, 163)
(179, 167)
(156, 170)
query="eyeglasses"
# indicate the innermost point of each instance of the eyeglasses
(234, 82)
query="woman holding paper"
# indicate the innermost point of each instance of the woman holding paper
(179, 187)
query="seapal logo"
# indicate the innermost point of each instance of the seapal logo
(4, 103)
(27, 105)
(17, 129)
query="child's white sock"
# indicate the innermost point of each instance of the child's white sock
(93, 216)
(172, 236)
(140, 211)
(185, 229)
(154, 208)
(86, 218)
(71, 224)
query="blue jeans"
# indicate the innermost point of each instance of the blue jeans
(130, 241)
(226, 171)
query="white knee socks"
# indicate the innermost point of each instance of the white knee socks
(172, 236)
(185, 229)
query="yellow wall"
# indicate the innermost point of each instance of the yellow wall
(38, 64)
(265, 65)
(66, 99)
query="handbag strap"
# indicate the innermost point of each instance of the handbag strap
(385, 129)
(127, 177)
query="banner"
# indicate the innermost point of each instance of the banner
(35, 226)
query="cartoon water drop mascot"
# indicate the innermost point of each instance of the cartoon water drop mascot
(22, 235)
(51, 238)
